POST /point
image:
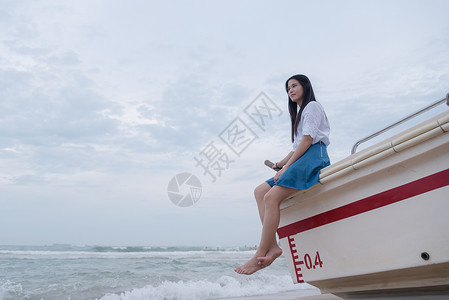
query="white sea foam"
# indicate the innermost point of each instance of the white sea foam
(10, 290)
(225, 286)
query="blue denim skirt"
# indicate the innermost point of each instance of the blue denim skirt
(305, 171)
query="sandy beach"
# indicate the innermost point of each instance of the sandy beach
(290, 295)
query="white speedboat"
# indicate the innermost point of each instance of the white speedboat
(377, 225)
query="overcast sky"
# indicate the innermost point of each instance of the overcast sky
(102, 103)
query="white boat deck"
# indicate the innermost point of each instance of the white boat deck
(416, 135)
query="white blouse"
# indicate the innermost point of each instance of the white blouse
(313, 122)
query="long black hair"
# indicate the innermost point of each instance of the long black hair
(308, 96)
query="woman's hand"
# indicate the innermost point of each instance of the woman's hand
(278, 174)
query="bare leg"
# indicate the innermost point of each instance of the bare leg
(275, 251)
(259, 194)
(271, 215)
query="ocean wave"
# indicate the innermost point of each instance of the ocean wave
(64, 272)
(158, 255)
(165, 249)
(122, 249)
(10, 290)
(224, 287)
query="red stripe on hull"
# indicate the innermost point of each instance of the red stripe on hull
(408, 190)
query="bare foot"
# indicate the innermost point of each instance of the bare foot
(273, 253)
(250, 267)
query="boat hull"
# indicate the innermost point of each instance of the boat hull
(381, 225)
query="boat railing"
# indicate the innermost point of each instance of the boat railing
(411, 116)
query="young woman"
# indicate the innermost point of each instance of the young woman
(300, 169)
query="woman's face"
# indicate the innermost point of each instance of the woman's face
(295, 91)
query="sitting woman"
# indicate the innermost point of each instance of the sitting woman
(299, 170)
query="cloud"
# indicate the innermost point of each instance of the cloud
(102, 102)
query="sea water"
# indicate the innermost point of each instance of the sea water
(109, 273)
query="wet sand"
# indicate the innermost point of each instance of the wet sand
(290, 295)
